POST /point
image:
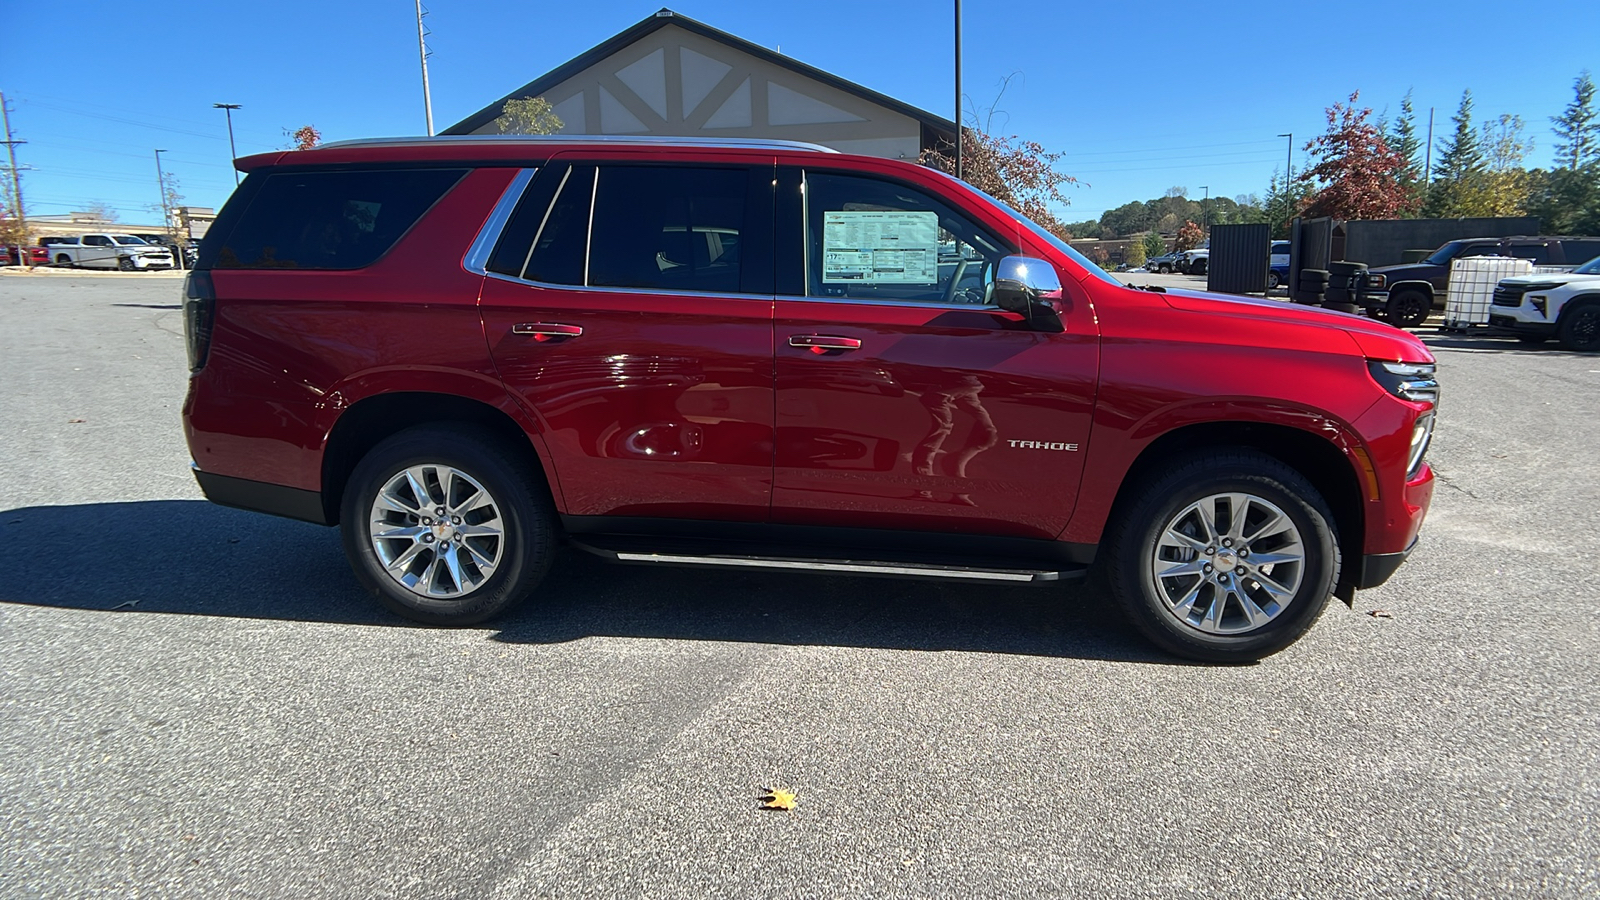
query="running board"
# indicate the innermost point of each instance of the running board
(846, 566)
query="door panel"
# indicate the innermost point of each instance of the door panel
(662, 406)
(945, 418)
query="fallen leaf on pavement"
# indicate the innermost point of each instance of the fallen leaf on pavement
(75, 421)
(777, 798)
(1381, 614)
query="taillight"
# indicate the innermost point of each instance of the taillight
(199, 308)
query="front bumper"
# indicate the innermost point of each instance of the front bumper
(1377, 567)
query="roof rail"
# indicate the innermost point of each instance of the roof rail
(645, 140)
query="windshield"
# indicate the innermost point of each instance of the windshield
(1592, 267)
(126, 239)
(1446, 253)
(1041, 234)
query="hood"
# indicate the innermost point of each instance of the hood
(1549, 278)
(1375, 340)
(1398, 272)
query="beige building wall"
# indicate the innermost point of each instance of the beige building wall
(675, 82)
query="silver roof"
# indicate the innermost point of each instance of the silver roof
(625, 139)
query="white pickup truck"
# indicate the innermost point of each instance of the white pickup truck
(110, 251)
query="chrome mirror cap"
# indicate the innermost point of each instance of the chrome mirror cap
(1035, 276)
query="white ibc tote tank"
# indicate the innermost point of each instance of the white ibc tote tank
(1471, 289)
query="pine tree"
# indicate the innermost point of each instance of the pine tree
(1578, 128)
(1460, 163)
(1402, 138)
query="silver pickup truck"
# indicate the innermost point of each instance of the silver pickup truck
(110, 251)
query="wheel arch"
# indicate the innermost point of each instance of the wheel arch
(373, 419)
(1323, 462)
(1424, 286)
(1585, 299)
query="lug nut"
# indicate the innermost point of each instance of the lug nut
(1243, 552)
(1227, 542)
(439, 511)
(427, 521)
(427, 539)
(1210, 550)
(1208, 567)
(455, 520)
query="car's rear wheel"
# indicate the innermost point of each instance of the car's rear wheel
(1580, 328)
(1408, 308)
(1227, 557)
(1272, 280)
(1198, 267)
(63, 260)
(447, 526)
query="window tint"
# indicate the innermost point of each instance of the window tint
(1539, 253)
(1579, 252)
(96, 240)
(331, 220)
(668, 228)
(877, 240)
(563, 235)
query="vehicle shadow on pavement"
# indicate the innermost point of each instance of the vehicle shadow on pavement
(190, 557)
(1494, 343)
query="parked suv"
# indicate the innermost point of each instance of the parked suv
(1539, 307)
(747, 354)
(1164, 263)
(1404, 295)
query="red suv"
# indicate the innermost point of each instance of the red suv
(749, 354)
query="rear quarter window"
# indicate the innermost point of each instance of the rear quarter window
(331, 220)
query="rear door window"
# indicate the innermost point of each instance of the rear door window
(331, 220)
(662, 228)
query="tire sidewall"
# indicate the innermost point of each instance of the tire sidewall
(1403, 306)
(1165, 499)
(526, 551)
(1573, 317)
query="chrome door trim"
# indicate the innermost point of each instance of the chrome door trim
(477, 258)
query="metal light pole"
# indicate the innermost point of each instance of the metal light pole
(1427, 156)
(958, 89)
(228, 108)
(161, 183)
(1288, 160)
(1205, 206)
(422, 52)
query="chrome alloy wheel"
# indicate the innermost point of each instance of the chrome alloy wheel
(436, 531)
(1228, 563)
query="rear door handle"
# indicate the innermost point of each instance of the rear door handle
(821, 343)
(547, 331)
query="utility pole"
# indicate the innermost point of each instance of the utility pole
(228, 108)
(1427, 156)
(422, 52)
(1288, 160)
(1205, 207)
(11, 155)
(161, 182)
(958, 89)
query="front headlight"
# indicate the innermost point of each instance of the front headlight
(1408, 381)
(1376, 281)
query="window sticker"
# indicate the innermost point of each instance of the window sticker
(880, 247)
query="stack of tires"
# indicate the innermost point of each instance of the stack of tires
(1312, 287)
(1344, 279)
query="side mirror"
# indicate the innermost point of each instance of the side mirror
(1022, 284)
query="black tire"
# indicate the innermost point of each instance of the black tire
(1272, 281)
(1166, 270)
(125, 264)
(1579, 329)
(1161, 502)
(1198, 267)
(521, 501)
(1408, 308)
(63, 260)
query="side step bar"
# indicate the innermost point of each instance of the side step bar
(845, 566)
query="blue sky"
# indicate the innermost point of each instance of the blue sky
(1140, 97)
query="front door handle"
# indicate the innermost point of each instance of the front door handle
(822, 343)
(547, 331)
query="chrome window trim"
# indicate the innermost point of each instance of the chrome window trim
(477, 259)
(714, 295)
(588, 237)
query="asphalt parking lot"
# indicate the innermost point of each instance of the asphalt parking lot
(199, 702)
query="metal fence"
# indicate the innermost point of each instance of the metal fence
(1239, 259)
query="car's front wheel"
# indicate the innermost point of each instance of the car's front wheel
(1580, 328)
(1272, 280)
(1228, 556)
(447, 526)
